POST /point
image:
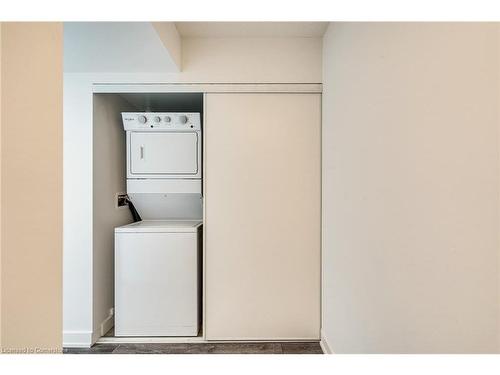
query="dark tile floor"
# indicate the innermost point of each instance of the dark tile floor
(202, 348)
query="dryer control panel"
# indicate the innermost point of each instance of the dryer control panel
(161, 121)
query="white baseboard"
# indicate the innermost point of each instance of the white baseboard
(77, 339)
(104, 327)
(107, 324)
(85, 339)
(327, 349)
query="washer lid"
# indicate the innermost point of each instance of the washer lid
(160, 226)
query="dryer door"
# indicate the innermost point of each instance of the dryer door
(163, 154)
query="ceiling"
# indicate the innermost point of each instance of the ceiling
(251, 29)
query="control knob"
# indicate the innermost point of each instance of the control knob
(183, 119)
(142, 119)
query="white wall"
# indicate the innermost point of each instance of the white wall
(120, 47)
(251, 60)
(77, 211)
(167, 31)
(411, 188)
(109, 178)
(0, 185)
(235, 60)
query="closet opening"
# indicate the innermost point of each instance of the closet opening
(147, 264)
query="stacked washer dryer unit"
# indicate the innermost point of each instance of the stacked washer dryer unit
(157, 260)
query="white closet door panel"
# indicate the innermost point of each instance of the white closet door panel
(262, 216)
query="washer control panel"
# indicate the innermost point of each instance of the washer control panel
(164, 121)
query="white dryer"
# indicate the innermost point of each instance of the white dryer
(164, 164)
(157, 278)
(163, 145)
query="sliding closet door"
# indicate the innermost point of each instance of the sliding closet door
(262, 216)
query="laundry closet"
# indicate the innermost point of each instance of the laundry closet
(206, 212)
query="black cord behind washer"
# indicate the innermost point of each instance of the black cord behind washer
(133, 211)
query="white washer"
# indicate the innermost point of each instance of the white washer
(157, 284)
